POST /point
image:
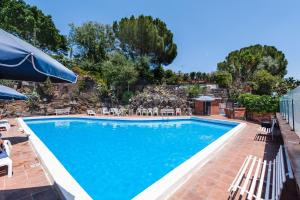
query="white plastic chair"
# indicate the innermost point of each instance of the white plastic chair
(150, 111)
(91, 112)
(177, 111)
(105, 111)
(155, 111)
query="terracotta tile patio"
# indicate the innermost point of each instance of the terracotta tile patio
(30, 181)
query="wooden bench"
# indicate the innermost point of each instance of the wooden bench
(261, 179)
(62, 111)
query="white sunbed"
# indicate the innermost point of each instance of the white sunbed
(268, 131)
(105, 111)
(91, 112)
(257, 177)
(4, 124)
(7, 161)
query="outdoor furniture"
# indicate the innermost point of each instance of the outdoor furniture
(144, 111)
(262, 177)
(155, 111)
(167, 111)
(122, 111)
(4, 124)
(177, 111)
(139, 111)
(91, 112)
(6, 161)
(62, 111)
(267, 131)
(115, 111)
(105, 111)
(150, 111)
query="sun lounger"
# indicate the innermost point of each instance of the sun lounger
(6, 161)
(105, 111)
(261, 179)
(177, 111)
(267, 131)
(91, 112)
(62, 111)
(4, 124)
(155, 111)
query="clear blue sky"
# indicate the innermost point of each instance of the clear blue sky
(204, 30)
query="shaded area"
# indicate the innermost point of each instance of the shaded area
(33, 193)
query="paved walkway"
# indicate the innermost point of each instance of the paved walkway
(212, 181)
(29, 181)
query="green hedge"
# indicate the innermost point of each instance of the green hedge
(260, 104)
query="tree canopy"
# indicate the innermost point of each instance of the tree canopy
(145, 36)
(31, 24)
(244, 63)
(92, 41)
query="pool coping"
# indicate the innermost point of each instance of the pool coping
(161, 189)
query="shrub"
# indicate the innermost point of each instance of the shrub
(126, 97)
(257, 103)
(193, 90)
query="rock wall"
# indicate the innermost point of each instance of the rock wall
(161, 97)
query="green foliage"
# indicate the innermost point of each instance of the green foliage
(145, 36)
(142, 65)
(31, 24)
(193, 90)
(285, 85)
(159, 74)
(223, 79)
(171, 78)
(264, 82)
(7, 83)
(244, 63)
(119, 71)
(46, 90)
(93, 39)
(127, 95)
(260, 104)
(33, 101)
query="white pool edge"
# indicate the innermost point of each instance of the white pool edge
(67, 185)
(161, 189)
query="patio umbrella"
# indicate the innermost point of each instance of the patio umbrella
(7, 93)
(21, 61)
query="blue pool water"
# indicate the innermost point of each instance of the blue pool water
(118, 159)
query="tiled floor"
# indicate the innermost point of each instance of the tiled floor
(209, 182)
(29, 180)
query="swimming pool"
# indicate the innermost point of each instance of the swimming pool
(118, 159)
